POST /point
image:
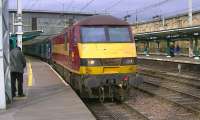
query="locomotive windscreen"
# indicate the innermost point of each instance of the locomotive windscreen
(119, 34)
(105, 34)
(93, 34)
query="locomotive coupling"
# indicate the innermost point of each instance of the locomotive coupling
(120, 85)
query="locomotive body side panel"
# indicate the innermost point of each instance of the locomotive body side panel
(65, 50)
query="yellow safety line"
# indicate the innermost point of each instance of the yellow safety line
(30, 75)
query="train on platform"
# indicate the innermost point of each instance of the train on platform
(96, 56)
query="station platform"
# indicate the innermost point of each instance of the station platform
(177, 66)
(177, 59)
(48, 97)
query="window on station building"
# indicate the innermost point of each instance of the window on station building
(34, 23)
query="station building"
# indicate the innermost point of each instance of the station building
(173, 23)
(50, 23)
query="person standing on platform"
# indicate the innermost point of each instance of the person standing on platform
(17, 65)
(177, 49)
(172, 50)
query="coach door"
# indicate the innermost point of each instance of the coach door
(73, 49)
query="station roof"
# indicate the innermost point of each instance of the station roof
(185, 33)
(53, 12)
(102, 20)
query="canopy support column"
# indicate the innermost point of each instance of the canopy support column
(5, 90)
(168, 48)
(196, 49)
(158, 46)
(191, 48)
(146, 48)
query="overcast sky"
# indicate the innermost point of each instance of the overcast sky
(143, 9)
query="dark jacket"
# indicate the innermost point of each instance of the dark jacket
(17, 60)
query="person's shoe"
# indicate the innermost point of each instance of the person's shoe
(22, 95)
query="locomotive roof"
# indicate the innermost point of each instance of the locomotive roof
(102, 20)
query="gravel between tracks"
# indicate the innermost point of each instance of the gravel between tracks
(113, 111)
(157, 109)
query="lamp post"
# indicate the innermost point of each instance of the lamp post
(190, 24)
(126, 17)
(19, 23)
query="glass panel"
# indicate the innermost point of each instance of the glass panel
(93, 34)
(119, 34)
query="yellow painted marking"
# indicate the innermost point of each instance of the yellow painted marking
(95, 70)
(30, 75)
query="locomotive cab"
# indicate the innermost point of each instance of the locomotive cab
(107, 57)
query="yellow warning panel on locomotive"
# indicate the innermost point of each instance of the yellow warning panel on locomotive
(106, 50)
(111, 69)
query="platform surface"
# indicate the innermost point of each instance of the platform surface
(179, 59)
(48, 98)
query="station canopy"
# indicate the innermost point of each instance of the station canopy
(27, 35)
(37, 39)
(171, 34)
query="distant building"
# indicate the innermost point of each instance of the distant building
(160, 23)
(50, 22)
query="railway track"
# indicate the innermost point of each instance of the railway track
(181, 94)
(143, 106)
(114, 111)
(192, 81)
(157, 108)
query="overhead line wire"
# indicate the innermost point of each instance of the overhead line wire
(150, 6)
(33, 4)
(87, 4)
(178, 12)
(139, 10)
(113, 5)
(70, 4)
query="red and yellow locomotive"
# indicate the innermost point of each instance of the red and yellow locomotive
(97, 56)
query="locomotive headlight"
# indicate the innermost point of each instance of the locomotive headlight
(129, 61)
(90, 62)
(93, 62)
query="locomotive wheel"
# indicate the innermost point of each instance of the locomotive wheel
(101, 94)
(71, 79)
(78, 85)
(67, 77)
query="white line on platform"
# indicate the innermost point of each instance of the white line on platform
(57, 74)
